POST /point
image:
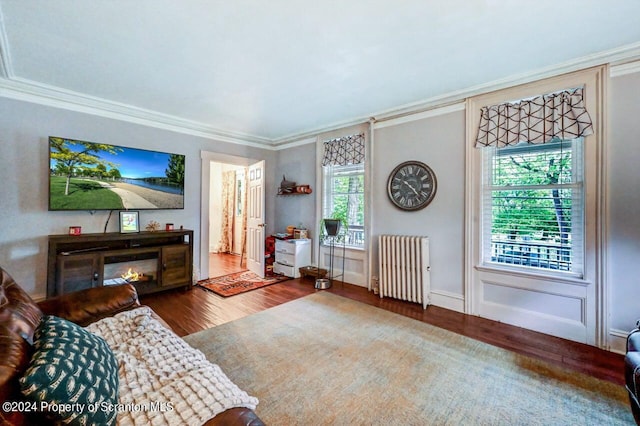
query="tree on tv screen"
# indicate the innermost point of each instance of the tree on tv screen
(175, 169)
(67, 160)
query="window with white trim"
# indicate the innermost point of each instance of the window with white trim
(533, 206)
(343, 198)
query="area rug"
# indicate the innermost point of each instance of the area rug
(238, 282)
(328, 360)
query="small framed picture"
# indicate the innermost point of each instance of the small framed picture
(129, 222)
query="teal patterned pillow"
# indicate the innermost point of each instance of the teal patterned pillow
(73, 374)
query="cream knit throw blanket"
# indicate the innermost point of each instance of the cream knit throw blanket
(163, 380)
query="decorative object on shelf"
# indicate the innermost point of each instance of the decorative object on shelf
(152, 226)
(411, 185)
(75, 230)
(168, 227)
(296, 190)
(129, 221)
(288, 187)
(299, 233)
(303, 189)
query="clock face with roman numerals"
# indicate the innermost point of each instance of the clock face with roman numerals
(411, 185)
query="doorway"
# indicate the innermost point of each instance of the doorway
(220, 256)
(227, 218)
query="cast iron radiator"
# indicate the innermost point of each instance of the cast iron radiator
(404, 268)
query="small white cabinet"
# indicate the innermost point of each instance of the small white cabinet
(291, 255)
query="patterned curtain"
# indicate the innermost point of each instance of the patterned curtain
(560, 115)
(228, 211)
(245, 190)
(344, 151)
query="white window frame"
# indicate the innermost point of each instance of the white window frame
(357, 262)
(329, 193)
(530, 298)
(541, 254)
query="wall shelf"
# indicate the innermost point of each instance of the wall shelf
(295, 190)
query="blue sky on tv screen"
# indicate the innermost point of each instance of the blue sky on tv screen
(132, 163)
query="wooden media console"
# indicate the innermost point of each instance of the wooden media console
(152, 261)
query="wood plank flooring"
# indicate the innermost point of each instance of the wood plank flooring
(189, 311)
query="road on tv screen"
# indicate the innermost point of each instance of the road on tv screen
(88, 194)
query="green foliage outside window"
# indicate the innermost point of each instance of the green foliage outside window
(528, 199)
(348, 199)
(343, 199)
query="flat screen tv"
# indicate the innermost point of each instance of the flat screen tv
(96, 176)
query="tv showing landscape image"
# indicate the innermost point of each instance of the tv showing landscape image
(95, 176)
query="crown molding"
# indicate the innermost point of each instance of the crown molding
(624, 69)
(433, 112)
(310, 135)
(616, 56)
(298, 142)
(26, 90)
(30, 91)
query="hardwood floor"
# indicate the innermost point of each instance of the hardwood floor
(198, 309)
(224, 264)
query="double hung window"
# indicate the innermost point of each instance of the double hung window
(533, 198)
(343, 199)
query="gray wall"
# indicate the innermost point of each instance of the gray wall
(26, 222)
(439, 143)
(624, 198)
(298, 164)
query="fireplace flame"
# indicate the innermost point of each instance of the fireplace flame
(132, 276)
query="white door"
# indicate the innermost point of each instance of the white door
(255, 219)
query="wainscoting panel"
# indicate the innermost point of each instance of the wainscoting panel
(566, 307)
(551, 307)
(354, 264)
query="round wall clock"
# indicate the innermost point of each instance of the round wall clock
(411, 185)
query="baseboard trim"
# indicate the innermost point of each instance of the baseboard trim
(618, 341)
(447, 300)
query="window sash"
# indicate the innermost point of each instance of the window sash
(354, 232)
(514, 198)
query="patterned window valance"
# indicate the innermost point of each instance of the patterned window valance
(538, 120)
(344, 151)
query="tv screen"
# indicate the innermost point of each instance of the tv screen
(96, 176)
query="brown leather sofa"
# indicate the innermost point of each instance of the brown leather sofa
(19, 316)
(632, 371)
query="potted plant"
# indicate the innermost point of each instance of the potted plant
(331, 226)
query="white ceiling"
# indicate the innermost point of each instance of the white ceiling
(271, 71)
